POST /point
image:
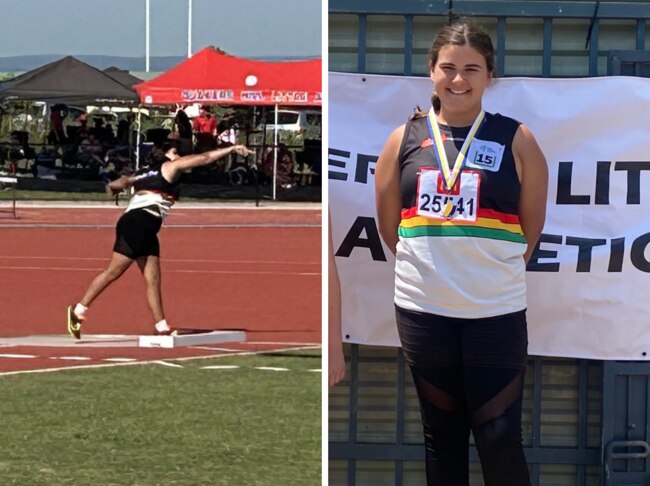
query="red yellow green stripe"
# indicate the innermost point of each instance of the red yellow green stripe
(489, 224)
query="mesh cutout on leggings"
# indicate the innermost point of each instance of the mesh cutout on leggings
(123, 248)
(497, 405)
(435, 396)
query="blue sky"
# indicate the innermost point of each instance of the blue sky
(246, 28)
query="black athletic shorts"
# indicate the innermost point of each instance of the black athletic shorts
(136, 234)
(494, 342)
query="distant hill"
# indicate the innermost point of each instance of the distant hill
(159, 63)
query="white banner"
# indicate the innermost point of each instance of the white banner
(589, 280)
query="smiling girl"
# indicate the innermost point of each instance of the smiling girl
(461, 198)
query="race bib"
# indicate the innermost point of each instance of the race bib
(484, 155)
(460, 203)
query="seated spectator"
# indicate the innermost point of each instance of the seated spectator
(304, 170)
(284, 168)
(109, 172)
(121, 159)
(110, 133)
(100, 132)
(20, 152)
(241, 171)
(89, 151)
(227, 133)
(47, 164)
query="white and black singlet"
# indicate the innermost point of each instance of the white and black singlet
(460, 251)
(137, 229)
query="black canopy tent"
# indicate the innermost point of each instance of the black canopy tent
(67, 80)
(122, 76)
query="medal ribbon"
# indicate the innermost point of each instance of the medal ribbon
(450, 177)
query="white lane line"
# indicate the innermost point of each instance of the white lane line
(243, 272)
(271, 368)
(88, 337)
(210, 348)
(169, 226)
(17, 356)
(224, 367)
(165, 363)
(166, 260)
(68, 269)
(120, 360)
(167, 270)
(181, 207)
(244, 225)
(72, 358)
(315, 371)
(112, 365)
(303, 346)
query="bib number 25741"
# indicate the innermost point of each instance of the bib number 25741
(460, 203)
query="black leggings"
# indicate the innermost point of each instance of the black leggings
(136, 233)
(469, 376)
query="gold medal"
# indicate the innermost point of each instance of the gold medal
(450, 177)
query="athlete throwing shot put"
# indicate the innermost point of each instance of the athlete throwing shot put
(157, 188)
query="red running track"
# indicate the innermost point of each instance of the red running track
(258, 270)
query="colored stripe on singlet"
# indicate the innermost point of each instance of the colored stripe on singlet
(489, 224)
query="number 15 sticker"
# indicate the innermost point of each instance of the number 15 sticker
(460, 203)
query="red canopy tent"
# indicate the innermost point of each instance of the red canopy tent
(213, 77)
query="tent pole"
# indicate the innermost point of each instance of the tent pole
(263, 156)
(275, 151)
(256, 166)
(146, 35)
(137, 139)
(189, 29)
(26, 128)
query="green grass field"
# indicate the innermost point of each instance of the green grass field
(159, 425)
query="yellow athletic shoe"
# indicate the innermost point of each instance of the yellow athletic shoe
(74, 323)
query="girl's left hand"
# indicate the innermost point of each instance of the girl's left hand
(242, 150)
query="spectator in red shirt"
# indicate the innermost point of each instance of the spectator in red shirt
(205, 130)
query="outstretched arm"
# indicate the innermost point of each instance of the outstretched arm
(171, 169)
